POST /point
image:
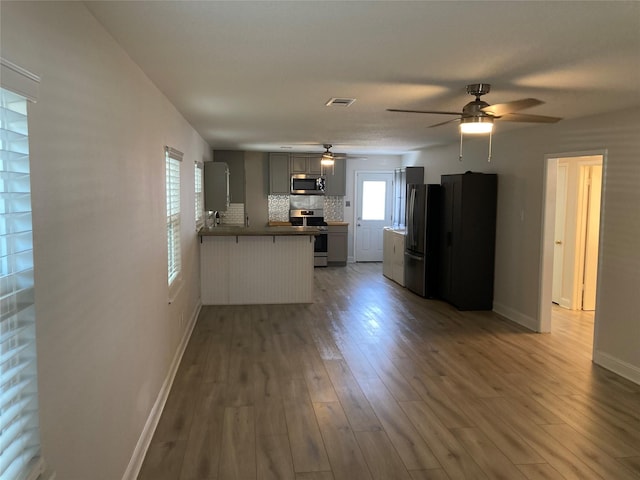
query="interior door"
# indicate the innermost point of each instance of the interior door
(374, 197)
(592, 238)
(560, 228)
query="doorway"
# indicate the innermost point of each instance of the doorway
(571, 232)
(374, 196)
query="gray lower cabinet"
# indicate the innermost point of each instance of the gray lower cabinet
(337, 245)
(336, 178)
(279, 179)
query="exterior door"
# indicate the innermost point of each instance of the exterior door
(374, 196)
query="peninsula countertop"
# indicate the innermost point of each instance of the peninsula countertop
(258, 231)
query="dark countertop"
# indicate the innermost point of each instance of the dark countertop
(233, 231)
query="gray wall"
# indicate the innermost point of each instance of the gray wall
(519, 159)
(106, 335)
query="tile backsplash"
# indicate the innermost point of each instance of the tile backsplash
(279, 206)
(234, 215)
(333, 209)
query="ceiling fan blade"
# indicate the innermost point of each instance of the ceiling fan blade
(423, 111)
(501, 109)
(444, 123)
(523, 117)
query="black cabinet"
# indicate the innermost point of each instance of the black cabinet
(467, 240)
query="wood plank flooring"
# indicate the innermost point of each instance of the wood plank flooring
(372, 382)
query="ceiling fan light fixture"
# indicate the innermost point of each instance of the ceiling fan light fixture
(327, 159)
(476, 125)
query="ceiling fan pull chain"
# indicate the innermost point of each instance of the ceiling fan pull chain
(489, 158)
(460, 157)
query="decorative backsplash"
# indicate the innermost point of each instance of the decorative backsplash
(334, 209)
(279, 206)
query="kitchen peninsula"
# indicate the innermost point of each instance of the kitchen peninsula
(256, 265)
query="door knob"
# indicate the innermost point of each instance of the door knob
(558, 242)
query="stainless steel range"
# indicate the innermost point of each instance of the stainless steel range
(313, 218)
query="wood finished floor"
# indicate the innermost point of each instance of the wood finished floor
(373, 382)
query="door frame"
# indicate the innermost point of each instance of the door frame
(548, 229)
(356, 198)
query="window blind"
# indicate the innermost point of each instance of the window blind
(199, 195)
(174, 262)
(19, 434)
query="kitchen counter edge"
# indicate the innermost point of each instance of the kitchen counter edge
(257, 231)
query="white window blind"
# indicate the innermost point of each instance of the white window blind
(199, 194)
(19, 434)
(173, 158)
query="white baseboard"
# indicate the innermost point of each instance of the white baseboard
(516, 316)
(624, 369)
(135, 464)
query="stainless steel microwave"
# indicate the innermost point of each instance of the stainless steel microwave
(306, 184)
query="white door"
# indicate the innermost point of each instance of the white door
(374, 196)
(560, 227)
(592, 234)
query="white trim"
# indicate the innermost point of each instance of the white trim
(516, 316)
(173, 153)
(624, 369)
(135, 463)
(19, 80)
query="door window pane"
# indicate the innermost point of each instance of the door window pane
(373, 199)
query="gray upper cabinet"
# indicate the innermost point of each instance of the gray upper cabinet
(336, 178)
(279, 180)
(305, 163)
(216, 186)
(235, 162)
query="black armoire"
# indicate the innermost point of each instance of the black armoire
(467, 240)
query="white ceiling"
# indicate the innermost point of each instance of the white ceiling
(257, 75)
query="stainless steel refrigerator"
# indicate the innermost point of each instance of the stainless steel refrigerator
(421, 241)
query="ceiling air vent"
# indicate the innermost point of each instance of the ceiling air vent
(340, 102)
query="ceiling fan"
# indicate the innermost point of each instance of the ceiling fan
(477, 116)
(328, 157)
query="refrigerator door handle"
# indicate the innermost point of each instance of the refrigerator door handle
(412, 224)
(413, 257)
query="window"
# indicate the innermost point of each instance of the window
(199, 195)
(19, 434)
(373, 199)
(173, 158)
